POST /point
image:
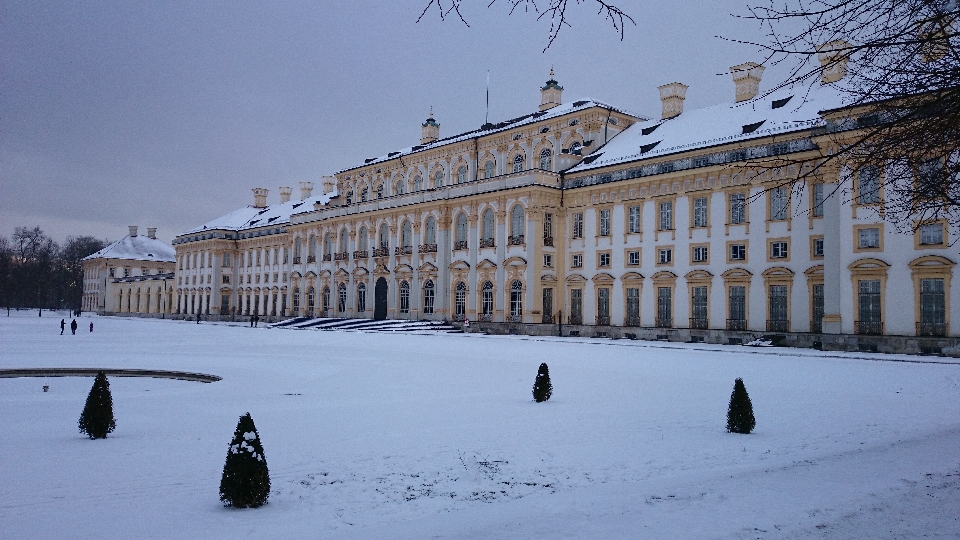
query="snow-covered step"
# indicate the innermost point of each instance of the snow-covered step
(368, 325)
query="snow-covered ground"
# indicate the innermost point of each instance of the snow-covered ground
(372, 435)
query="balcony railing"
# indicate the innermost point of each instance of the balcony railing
(516, 240)
(296, 260)
(603, 320)
(327, 257)
(459, 244)
(548, 241)
(698, 324)
(737, 324)
(868, 328)
(381, 252)
(459, 317)
(487, 243)
(576, 319)
(515, 318)
(931, 329)
(360, 254)
(342, 256)
(778, 326)
(427, 248)
(547, 318)
(632, 321)
(311, 258)
(664, 323)
(486, 317)
(403, 250)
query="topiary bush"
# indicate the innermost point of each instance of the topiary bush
(97, 420)
(246, 479)
(740, 412)
(542, 389)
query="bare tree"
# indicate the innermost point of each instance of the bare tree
(555, 11)
(902, 94)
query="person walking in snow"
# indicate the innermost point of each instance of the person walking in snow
(91, 326)
(63, 325)
(198, 318)
(73, 327)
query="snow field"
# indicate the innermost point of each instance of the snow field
(372, 435)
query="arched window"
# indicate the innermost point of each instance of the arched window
(461, 175)
(517, 220)
(518, 163)
(384, 236)
(516, 300)
(343, 240)
(401, 189)
(297, 243)
(488, 169)
(311, 300)
(486, 299)
(312, 246)
(326, 299)
(576, 147)
(462, 228)
(361, 298)
(404, 297)
(406, 236)
(546, 159)
(488, 226)
(438, 180)
(328, 244)
(380, 191)
(342, 298)
(417, 182)
(429, 293)
(460, 302)
(363, 195)
(362, 240)
(430, 231)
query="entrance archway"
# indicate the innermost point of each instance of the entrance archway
(380, 300)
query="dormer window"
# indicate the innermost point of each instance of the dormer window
(573, 122)
(750, 128)
(777, 103)
(517, 136)
(544, 129)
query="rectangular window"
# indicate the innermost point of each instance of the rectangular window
(818, 247)
(778, 305)
(605, 223)
(666, 216)
(548, 261)
(869, 298)
(700, 254)
(699, 301)
(258, 257)
(816, 324)
(738, 252)
(700, 212)
(778, 203)
(404, 299)
(224, 304)
(226, 278)
(578, 225)
(633, 225)
(603, 305)
(778, 250)
(633, 258)
(738, 208)
(665, 256)
(226, 260)
(429, 294)
(738, 303)
(868, 185)
(932, 305)
(931, 234)
(576, 306)
(664, 307)
(818, 200)
(633, 306)
(930, 183)
(603, 260)
(577, 261)
(548, 225)
(868, 238)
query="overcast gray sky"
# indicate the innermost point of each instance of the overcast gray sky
(166, 114)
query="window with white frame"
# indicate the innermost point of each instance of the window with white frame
(738, 252)
(868, 238)
(578, 225)
(429, 294)
(486, 298)
(603, 260)
(404, 297)
(665, 255)
(633, 219)
(700, 212)
(546, 160)
(548, 261)
(518, 163)
(577, 261)
(461, 175)
(605, 222)
(818, 247)
(778, 203)
(633, 258)
(488, 171)
(818, 200)
(516, 298)
(738, 208)
(666, 216)
(778, 250)
(700, 254)
(438, 179)
(868, 185)
(931, 234)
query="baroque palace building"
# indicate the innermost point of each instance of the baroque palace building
(132, 275)
(586, 219)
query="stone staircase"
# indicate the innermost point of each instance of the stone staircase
(368, 325)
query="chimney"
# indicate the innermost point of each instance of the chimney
(833, 60)
(152, 233)
(306, 190)
(672, 96)
(285, 194)
(550, 93)
(260, 197)
(329, 184)
(746, 78)
(133, 230)
(430, 130)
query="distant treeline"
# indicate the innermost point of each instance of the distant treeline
(36, 272)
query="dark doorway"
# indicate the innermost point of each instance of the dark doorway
(380, 300)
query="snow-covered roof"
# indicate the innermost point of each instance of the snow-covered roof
(251, 217)
(137, 248)
(487, 129)
(781, 111)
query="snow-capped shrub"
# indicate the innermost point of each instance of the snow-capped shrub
(246, 480)
(97, 420)
(740, 412)
(542, 389)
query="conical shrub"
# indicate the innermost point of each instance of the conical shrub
(740, 412)
(542, 389)
(97, 420)
(246, 479)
